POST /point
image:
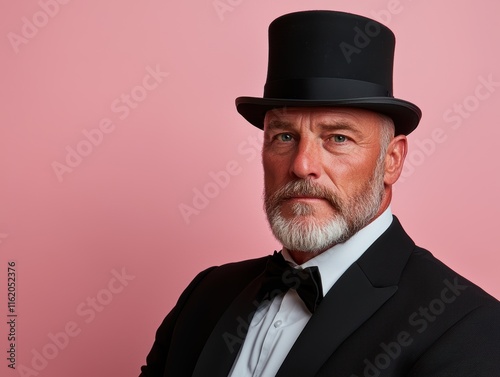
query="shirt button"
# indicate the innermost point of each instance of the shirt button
(278, 323)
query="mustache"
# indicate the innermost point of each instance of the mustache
(302, 188)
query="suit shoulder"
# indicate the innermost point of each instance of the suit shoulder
(426, 273)
(255, 264)
(235, 273)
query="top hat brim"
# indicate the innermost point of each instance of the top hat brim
(404, 114)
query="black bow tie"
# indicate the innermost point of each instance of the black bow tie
(279, 277)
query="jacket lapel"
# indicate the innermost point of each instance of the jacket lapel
(343, 310)
(361, 291)
(223, 344)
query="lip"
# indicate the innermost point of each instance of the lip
(306, 198)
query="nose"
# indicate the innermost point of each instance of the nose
(306, 162)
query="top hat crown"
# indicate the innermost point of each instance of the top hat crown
(330, 59)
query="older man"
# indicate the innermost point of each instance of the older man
(349, 294)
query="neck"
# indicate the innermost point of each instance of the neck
(301, 257)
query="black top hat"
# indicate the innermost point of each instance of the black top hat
(326, 58)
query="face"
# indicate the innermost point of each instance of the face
(324, 174)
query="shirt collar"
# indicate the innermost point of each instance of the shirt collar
(332, 263)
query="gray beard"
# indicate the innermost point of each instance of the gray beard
(304, 232)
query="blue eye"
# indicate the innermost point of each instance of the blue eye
(339, 138)
(285, 137)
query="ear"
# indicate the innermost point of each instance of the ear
(395, 158)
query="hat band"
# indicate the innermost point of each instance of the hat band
(323, 88)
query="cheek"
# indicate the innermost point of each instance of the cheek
(340, 171)
(274, 168)
(348, 175)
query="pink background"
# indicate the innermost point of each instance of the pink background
(116, 211)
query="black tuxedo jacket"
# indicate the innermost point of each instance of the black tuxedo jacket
(397, 311)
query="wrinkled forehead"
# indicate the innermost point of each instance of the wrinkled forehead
(289, 117)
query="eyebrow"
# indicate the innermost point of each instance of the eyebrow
(339, 126)
(277, 124)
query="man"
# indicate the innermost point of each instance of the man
(349, 294)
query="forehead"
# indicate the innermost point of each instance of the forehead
(315, 116)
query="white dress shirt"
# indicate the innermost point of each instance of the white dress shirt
(277, 324)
